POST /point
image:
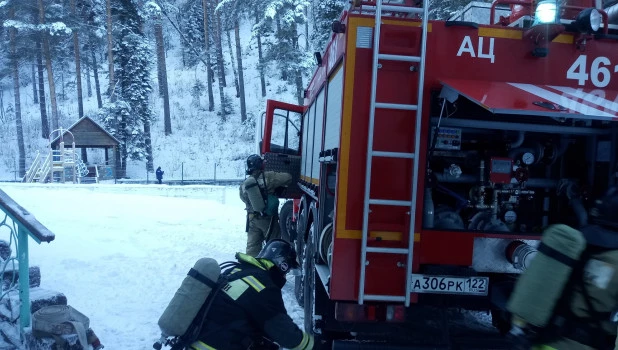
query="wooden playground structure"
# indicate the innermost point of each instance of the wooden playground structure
(57, 164)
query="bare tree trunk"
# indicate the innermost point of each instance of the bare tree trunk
(42, 105)
(219, 49)
(162, 69)
(95, 70)
(50, 71)
(110, 46)
(35, 96)
(157, 23)
(63, 95)
(241, 79)
(120, 161)
(148, 142)
(220, 65)
(1, 104)
(88, 82)
(298, 75)
(260, 56)
(284, 73)
(18, 123)
(123, 147)
(307, 28)
(182, 51)
(229, 44)
(209, 75)
(299, 87)
(78, 69)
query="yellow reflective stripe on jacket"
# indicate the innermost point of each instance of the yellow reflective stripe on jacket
(543, 347)
(306, 343)
(198, 345)
(253, 282)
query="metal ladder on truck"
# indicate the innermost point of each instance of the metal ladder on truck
(371, 153)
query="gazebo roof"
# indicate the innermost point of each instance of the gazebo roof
(87, 134)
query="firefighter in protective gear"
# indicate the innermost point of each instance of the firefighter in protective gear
(251, 308)
(582, 317)
(258, 194)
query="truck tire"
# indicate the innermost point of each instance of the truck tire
(309, 279)
(298, 280)
(287, 225)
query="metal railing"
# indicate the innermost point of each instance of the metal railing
(20, 224)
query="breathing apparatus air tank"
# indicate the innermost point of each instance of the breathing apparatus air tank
(189, 298)
(541, 285)
(253, 193)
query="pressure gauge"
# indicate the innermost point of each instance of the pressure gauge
(510, 217)
(527, 158)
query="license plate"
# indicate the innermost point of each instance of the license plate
(449, 285)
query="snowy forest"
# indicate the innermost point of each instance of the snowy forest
(175, 81)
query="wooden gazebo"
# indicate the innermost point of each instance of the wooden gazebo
(89, 134)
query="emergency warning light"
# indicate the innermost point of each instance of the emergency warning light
(545, 12)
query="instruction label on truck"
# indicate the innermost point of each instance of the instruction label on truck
(450, 285)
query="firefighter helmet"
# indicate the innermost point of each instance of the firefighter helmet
(604, 212)
(281, 253)
(254, 162)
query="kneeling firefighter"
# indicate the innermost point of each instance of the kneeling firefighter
(248, 312)
(568, 297)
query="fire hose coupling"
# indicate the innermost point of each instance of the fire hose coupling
(520, 254)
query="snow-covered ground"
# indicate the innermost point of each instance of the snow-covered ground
(121, 251)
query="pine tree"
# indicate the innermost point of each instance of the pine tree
(129, 116)
(18, 121)
(95, 17)
(193, 30)
(285, 50)
(154, 11)
(442, 10)
(206, 9)
(323, 13)
(78, 72)
(258, 33)
(231, 12)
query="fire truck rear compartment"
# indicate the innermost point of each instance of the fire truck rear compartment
(515, 174)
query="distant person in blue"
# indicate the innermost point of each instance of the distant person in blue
(159, 173)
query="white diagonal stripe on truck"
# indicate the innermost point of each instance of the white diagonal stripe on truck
(590, 97)
(561, 100)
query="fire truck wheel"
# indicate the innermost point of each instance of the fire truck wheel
(301, 222)
(298, 280)
(309, 279)
(288, 227)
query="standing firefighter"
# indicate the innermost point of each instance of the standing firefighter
(249, 312)
(567, 298)
(262, 205)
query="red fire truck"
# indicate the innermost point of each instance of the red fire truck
(430, 156)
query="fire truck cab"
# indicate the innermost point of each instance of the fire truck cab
(430, 155)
